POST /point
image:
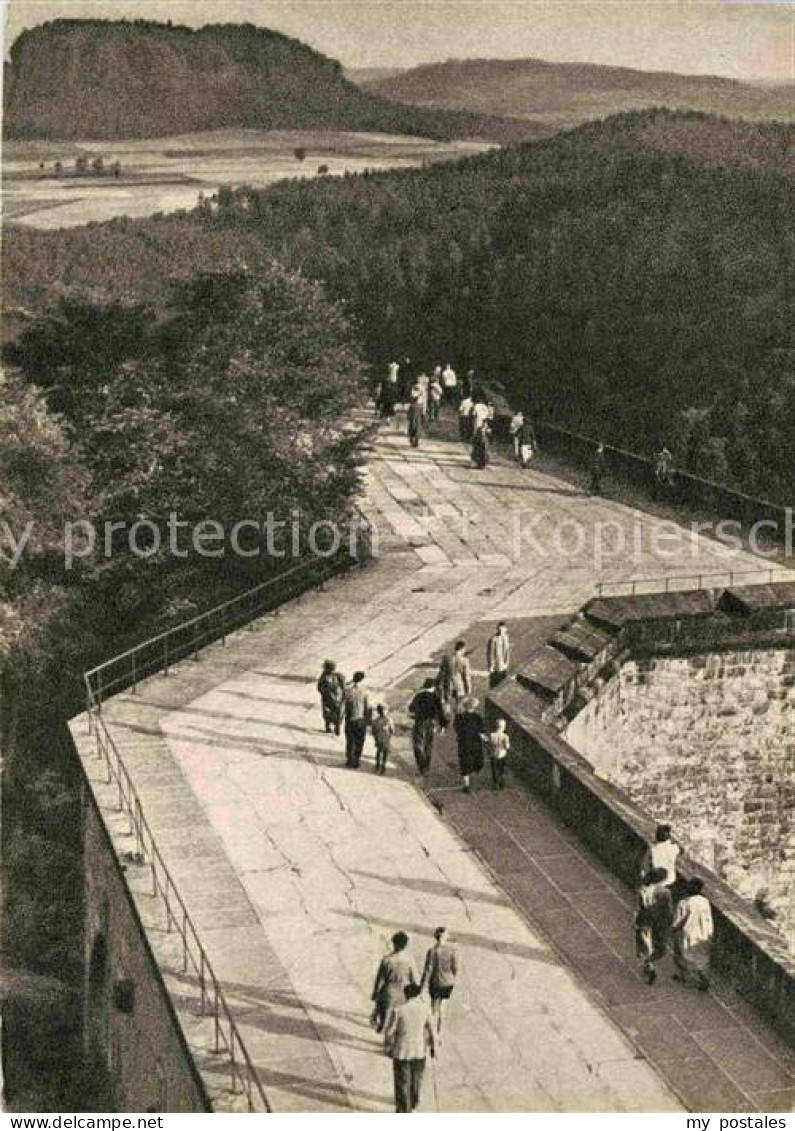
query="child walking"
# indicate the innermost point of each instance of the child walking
(498, 744)
(383, 728)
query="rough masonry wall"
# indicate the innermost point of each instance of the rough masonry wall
(708, 743)
(147, 1064)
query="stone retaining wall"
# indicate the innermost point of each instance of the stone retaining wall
(748, 949)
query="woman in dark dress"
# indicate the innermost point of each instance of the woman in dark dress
(480, 447)
(469, 738)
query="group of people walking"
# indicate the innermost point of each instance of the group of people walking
(410, 1022)
(684, 927)
(448, 698)
(444, 699)
(348, 704)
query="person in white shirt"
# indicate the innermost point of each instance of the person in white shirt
(450, 381)
(692, 930)
(663, 853)
(480, 413)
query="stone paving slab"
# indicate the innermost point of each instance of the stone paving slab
(714, 1050)
(319, 865)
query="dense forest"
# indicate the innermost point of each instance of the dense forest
(630, 279)
(232, 404)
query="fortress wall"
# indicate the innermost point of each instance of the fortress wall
(708, 743)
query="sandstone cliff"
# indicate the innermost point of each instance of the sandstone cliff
(110, 79)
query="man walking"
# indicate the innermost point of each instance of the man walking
(693, 930)
(653, 919)
(439, 974)
(465, 419)
(410, 1036)
(498, 655)
(663, 853)
(460, 672)
(357, 716)
(414, 417)
(426, 710)
(450, 383)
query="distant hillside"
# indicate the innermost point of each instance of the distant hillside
(114, 79)
(558, 95)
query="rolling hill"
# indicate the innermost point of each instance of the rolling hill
(98, 79)
(559, 95)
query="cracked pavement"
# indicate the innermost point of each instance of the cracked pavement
(297, 870)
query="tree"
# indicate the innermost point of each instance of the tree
(300, 153)
(81, 164)
(98, 165)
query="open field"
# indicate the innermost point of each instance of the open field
(165, 174)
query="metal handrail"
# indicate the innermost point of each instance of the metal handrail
(158, 653)
(244, 1075)
(168, 647)
(770, 573)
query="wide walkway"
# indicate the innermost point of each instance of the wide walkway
(297, 870)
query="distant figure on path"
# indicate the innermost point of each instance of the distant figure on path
(414, 416)
(528, 445)
(498, 655)
(663, 471)
(692, 931)
(480, 447)
(357, 716)
(468, 384)
(598, 468)
(395, 973)
(383, 729)
(409, 1037)
(663, 853)
(450, 383)
(435, 394)
(331, 686)
(444, 688)
(426, 710)
(498, 744)
(468, 725)
(439, 974)
(460, 671)
(481, 412)
(465, 419)
(515, 431)
(653, 920)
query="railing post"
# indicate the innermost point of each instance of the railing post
(196, 642)
(216, 1019)
(165, 655)
(202, 983)
(233, 1066)
(184, 940)
(134, 677)
(99, 691)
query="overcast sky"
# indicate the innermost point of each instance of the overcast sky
(739, 38)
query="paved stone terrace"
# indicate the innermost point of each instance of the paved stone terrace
(296, 870)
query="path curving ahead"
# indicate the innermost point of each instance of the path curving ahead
(297, 870)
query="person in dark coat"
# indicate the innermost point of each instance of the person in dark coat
(469, 727)
(653, 919)
(414, 415)
(396, 971)
(480, 447)
(331, 686)
(426, 710)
